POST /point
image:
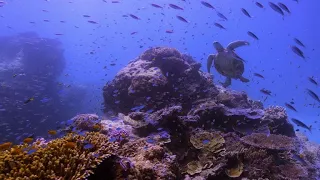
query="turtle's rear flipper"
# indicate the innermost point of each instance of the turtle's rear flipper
(243, 79)
(227, 82)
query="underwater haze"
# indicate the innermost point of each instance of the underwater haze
(95, 39)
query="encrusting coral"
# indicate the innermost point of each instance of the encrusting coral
(272, 141)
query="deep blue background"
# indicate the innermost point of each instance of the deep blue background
(111, 41)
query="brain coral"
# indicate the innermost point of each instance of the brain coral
(70, 157)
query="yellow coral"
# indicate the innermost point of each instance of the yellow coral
(208, 141)
(235, 171)
(56, 160)
(194, 167)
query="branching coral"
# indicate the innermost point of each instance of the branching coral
(274, 142)
(70, 157)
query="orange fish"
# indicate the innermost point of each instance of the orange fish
(52, 132)
(5, 146)
(28, 140)
(70, 145)
(97, 127)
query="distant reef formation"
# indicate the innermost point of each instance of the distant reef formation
(29, 92)
(170, 122)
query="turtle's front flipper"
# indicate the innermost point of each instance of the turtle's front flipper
(243, 79)
(227, 82)
(237, 44)
(211, 57)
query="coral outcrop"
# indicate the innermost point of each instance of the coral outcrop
(171, 122)
(213, 132)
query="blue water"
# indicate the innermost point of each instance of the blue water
(92, 46)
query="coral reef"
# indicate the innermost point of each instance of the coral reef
(215, 133)
(171, 122)
(70, 157)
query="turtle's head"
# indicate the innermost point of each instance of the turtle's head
(218, 46)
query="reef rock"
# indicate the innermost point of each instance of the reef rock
(160, 77)
(213, 132)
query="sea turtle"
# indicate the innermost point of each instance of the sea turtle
(227, 62)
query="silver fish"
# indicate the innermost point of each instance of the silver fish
(298, 42)
(245, 12)
(290, 107)
(219, 26)
(252, 35)
(284, 7)
(297, 51)
(301, 124)
(222, 16)
(313, 95)
(276, 8)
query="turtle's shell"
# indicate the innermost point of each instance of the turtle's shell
(227, 65)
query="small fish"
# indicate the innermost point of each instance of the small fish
(169, 31)
(88, 146)
(52, 132)
(135, 32)
(298, 42)
(313, 95)
(206, 4)
(290, 107)
(134, 16)
(297, 51)
(266, 92)
(313, 81)
(219, 26)
(58, 34)
(299, 158)
(301, 124)
(222, 16)
(70, 145)
(258, 75)
(92, 22)
(15, 75)
(182, 19)
(5, 146)
(86, 15)
(28, 100)
(175, 7)
(28, 140)
(252, 35)
(156, 5)
(284, 7)
(259, 5)
(245, 12)
(276, 8)
(31, 151)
